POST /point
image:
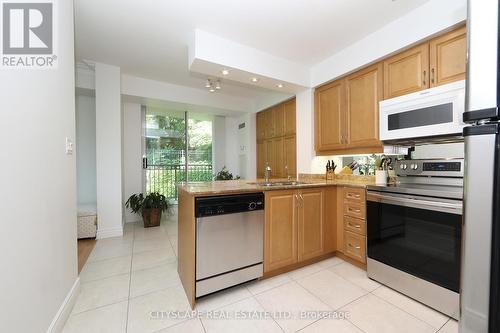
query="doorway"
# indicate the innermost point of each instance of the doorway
(177, 147)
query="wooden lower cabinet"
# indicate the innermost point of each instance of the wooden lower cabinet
(280, 235)
(355, 246)
(352, 231)
(310, 216)
(300, 225)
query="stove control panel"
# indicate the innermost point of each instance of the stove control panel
(441, 168)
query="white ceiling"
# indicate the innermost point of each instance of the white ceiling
(149, 38)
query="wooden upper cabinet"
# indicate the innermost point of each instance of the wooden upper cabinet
(280, 236)
(407, 72)
(261, 159)
(448, 57)
(269, 123)
(279, 120)
(278, 167)
(310, 224)
(289, 115)
(329, 116)
(261, 126)
(270, 155)
(290, 156)
(363, 93)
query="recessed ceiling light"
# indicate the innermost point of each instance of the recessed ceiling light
(280, 85)
(211, 89)
(254, 79)
(225, 72)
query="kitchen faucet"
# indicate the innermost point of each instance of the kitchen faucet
(267, 173)
(288, 177)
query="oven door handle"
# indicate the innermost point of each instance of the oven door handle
(439, 206)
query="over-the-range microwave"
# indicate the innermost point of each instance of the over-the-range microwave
(432, 113)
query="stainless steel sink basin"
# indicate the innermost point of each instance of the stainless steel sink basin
(284, 183)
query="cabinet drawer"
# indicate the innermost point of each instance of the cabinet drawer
(355, 225)
(355, 246)
(354, 194)
(354, 209)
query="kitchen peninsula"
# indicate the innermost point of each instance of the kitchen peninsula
(303, 222)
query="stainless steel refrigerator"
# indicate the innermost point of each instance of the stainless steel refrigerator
(480, 275)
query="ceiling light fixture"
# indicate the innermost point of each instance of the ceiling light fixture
(213, 86)
(280, 85)
(254, 79)
(225, 72)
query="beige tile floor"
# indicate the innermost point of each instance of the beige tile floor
(128, 278)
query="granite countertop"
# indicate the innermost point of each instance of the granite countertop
(244, 186)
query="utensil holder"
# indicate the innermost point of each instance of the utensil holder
(381, 177)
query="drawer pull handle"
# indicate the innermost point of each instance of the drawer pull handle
(356, 247)
(354, 210)
(353, 225)
(350, 195)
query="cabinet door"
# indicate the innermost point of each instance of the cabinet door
(280, 237)
(270, 154)
(278, 167)
(290, 159)
(290, 114)
(363, 93)
(279, 120)
(269, 123)
(261, 159)
(310, 223)
(407, 72)
(329, 120)
(330, 220)
(447, 57)
(261, 126)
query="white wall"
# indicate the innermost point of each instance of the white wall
(247, 146)
(424, 21)
(38, 189)
(305, 130)
(108, 151)
(132, 154)
(231, 146)
(218, 143)
(85, 150)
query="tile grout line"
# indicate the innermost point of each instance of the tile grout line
(262, 306)
(412, 315)
(130, 280)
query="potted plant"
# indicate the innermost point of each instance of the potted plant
(224, 174)
(150, 207)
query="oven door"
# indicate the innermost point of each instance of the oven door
(418, 235)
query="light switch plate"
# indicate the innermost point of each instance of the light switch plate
(69, 146)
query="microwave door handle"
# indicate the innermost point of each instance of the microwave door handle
(448, 207)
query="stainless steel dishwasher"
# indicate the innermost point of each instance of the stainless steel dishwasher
(229, 241)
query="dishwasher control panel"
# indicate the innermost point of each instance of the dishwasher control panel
(228, 204)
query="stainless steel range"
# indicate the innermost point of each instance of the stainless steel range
(414, 232)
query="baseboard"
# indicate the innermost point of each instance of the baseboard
(64, 311)
(107, 233)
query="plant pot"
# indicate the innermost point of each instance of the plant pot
(151, 217)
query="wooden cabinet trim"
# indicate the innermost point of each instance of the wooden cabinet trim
(410, 82)
(454, 64)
